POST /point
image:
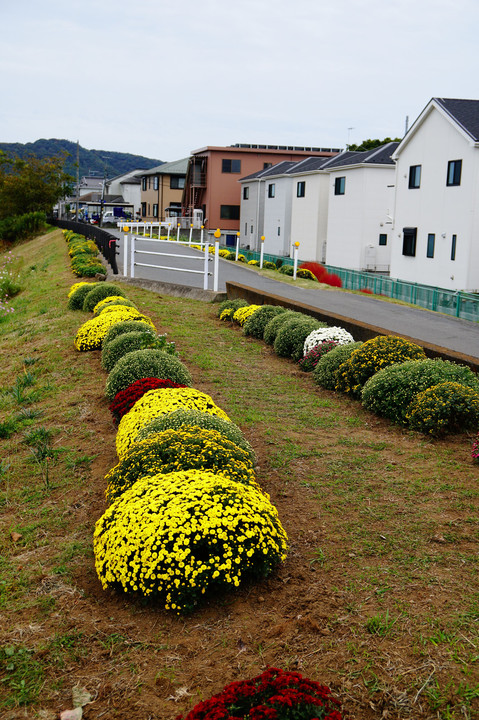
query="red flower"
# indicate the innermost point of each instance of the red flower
(125, 399)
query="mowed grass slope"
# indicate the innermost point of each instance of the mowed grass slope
(379, 597)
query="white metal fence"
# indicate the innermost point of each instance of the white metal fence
(131, 252)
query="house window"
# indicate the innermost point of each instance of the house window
(143, 183)
(155, 210)
(149, 183)
(454, 168)
(246, 193)
(339, 185)
(409, 241)
(230, 212)
(300, 188)
(246, 228)
(279, 231)
(383, 239)
(431, 239)
(453, 247)
(155, 182)
(231, 166)
(177, 183)
(251, 230)
(271, 190)
(267, 165)
(414, 176)
(143, 209)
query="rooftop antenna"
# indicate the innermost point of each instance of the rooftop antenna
(406, 127)
(349, 134)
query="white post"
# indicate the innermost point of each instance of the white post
(237, 245)
(132, 257)
(191, 233)
(295, 259)
(217, 235)
(151, 230)
(169, 228)
(201, 239)
(205, 279)
(178, 234)
(125, 255)
(262, 252)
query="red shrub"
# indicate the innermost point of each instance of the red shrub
(273, 695)
(332, 279)
(125, 399)
(317, 269)
(368, 291)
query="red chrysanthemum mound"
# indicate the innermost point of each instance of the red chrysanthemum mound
(273, 695)
(322, 274)
(125, 399)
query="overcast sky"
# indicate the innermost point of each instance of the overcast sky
(161, 78)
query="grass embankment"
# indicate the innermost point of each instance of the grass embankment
(379, 597)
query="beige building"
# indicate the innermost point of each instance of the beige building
(162, 189)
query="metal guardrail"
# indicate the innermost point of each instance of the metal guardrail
(105, 242)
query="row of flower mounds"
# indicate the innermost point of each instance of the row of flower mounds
(391, 376)
(187, 518)
(83, 255)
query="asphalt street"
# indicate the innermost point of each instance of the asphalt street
(460, 336)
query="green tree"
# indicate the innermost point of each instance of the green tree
(371, 144)
(31, 184)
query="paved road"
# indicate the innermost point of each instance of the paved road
(461, 336)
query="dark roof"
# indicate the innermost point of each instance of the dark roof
(277, 169)
(308, 165)
(464, 112)
(377, 156)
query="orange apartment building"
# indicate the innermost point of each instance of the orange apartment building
(213, 173)
(162, 190)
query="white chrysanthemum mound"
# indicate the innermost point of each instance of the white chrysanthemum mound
(338, 334)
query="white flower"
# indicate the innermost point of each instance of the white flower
(338, 334)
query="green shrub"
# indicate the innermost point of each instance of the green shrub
(114, 303)
(326, 371)
(445, 408)
(390, 392)
(194, 418)
(372, 356)
(255, 325)
(286, 270)
(272, 326)
(177, 450)
(143, 364)
(128, 342)
(77, 298)
(278, 262)
(100, 291)
(185, 536)
(233, 304)
(126, 326)
(267, 265)
(84, 265)
(289, 341)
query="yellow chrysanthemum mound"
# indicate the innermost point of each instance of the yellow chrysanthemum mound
(90, 335)
(243, 313)
(173, 450)
(105, 301)
(159, 402)
(75, 286)
(182, 535)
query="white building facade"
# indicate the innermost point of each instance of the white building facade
(436, 223)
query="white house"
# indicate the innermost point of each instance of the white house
(128, 185)
(436, 220)
(360, 209)
(309, 207)
(266, 209)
